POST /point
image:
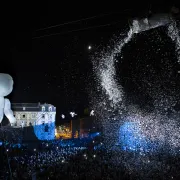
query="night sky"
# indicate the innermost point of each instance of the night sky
(57, 69)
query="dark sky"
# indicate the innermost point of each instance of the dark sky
(56, 69)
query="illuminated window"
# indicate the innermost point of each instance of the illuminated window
(50, 108)
(24, 108)
(33, 115)
(43, 108)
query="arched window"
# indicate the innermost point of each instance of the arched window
(43, 108)
(50, 108)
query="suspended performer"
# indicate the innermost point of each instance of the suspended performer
(154, 20)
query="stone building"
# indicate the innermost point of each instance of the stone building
(40, 116)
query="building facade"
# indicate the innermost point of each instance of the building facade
(77, 128)
(40, 116)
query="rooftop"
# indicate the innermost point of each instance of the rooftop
(32, 107)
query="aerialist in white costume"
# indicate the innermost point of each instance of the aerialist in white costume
(92, 113)
(154, 21)
(6, 87)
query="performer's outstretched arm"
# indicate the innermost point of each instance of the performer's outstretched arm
(1, 114)
(8, 112)
(1, 108)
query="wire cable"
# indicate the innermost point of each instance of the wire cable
(72, 22)
(76, 30)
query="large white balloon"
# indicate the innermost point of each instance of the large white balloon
(6, 87)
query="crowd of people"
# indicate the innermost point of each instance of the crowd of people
(19, 160)
(75, 159)
(60, 163)
(79, 142)
(23, 166)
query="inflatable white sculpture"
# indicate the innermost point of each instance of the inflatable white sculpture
(6, 87)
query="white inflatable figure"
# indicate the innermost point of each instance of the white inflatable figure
(92, 113)
(6, 87)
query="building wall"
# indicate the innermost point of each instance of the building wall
(28, 118)
(45, 117)
(83, 126)
(45, 125)
(41, 117)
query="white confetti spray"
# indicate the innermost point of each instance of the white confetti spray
(107, 72)
(173, 33)
(156, 127)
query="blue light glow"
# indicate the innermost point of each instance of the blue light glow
(131, 139)
(45, 131)
(93, 135)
